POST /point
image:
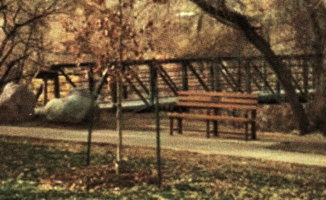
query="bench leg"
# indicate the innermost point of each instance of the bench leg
(215, 123)
(215, 128)
(246, 130)
(253, 124)
(180, 126)
(171, 125)
(207, 128)
(253, 130)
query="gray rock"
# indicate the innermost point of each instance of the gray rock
(17, 103)
(73, 109)
(53, 110)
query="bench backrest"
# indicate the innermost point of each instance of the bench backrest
(225, 100)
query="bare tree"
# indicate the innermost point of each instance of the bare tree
(21, 40)
(303, 24)
(108, 34)
(221, 12)
(311, 38)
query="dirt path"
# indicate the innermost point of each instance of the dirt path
(252, 149)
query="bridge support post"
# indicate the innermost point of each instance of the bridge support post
(152, 81)
(56, 86)
(45, 94)
(185, 85)
(248, 78)
(305, 74)
(239, 74)
(113, 87)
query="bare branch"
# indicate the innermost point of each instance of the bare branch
(22, 25)
(10, 67)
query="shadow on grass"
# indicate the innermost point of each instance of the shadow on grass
(301, 147)
(22, 166)
(26, 161)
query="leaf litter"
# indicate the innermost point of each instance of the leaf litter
(58, 164)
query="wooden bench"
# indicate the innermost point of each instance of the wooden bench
(217, 106)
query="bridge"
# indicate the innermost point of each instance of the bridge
(241, 74)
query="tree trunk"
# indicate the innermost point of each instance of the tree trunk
(234, 19)
(119, 124)
(119, 71)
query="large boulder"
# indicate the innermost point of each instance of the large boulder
(75, 108)
(17, 103)
(53, 110)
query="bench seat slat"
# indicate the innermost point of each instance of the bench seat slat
(216, 105)
(239, 101)
(208, 117)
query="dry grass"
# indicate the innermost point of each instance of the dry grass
(57, 171)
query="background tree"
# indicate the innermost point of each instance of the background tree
(22, 24)
(227, 13)
(308, 21)
(299, 27)
(96, 28)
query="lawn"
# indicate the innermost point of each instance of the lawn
(45, 169)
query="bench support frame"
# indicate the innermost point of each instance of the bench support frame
(213, 102)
